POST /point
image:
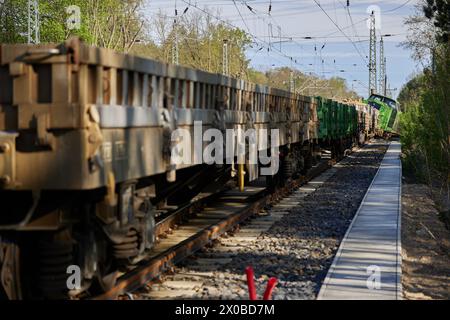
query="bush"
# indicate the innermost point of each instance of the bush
(425, 123)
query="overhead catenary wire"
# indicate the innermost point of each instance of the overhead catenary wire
(261, 43)
(399, 7)
(323, 61)
(340, 29)
(258, 44)
(254, 37)
(347, 9)
(254, 11)
(316, 55)
(309, 38)
(269, 24)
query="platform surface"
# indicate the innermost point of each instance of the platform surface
(368, 263)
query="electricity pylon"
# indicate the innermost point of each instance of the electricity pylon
(175, 54)
(225, 63)
(33, 22)
(372, 56)
(382, 79)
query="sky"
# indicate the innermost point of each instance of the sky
(339, 37)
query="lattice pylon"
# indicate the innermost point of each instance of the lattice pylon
(372, 56)
(33, 22)
(175, 49)
(225, 62)
(382, 80)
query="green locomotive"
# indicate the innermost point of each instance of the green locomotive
(388, 113)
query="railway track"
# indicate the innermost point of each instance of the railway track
(213, 216)
(195, 226)
(216, 271)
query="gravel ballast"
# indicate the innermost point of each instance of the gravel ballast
(298, 247)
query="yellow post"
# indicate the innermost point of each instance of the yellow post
(111, 190)
(241, 174)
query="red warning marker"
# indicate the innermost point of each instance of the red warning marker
(251, 283)
(270, 286)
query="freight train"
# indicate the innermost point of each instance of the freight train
(86, 154)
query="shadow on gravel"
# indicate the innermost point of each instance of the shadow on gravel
(300, 248)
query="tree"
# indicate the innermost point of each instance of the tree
(13, 21)
(308, 85)
(421, 36)
(411, 91)
(200, 42)
(438, 11)
(425, 99)
(114, 24)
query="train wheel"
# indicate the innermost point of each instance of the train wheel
(46, 257)
(54, 257)
(288, 167)
(308, 156)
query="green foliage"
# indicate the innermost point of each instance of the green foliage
(308, 85)
(411, 91)
(13, 21)
(425, 121)
(112, 24)
(120, 25)
(439, 12)
(425, 100)
(258, 77)
(200, 43)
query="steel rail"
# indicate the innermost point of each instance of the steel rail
(155, 266)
